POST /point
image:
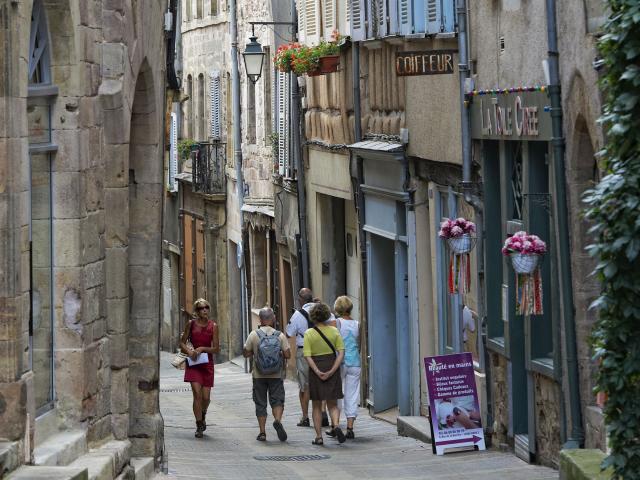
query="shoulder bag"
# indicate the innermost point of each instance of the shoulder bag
(179, 359)
(333, 349)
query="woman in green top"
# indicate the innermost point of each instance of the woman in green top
(324, 350)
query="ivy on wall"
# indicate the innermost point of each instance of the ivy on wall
(614, 209)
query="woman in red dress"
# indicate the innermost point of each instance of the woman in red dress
(203, 334)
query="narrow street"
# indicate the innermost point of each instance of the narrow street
(229, 449)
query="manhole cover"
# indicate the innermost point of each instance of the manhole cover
(175, 390)
(291, 458)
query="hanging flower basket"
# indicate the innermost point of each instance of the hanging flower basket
(463, 244)
(460, 236)
(524, 262)
(329, 63)
(525, 252)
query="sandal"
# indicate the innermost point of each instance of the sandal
(331, 433)
(318, 441)
(350, 434)
(262, 437)
(204, 423)
(304, 423)
(340, 435)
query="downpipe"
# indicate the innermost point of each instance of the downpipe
(474, 201)
(576, 436)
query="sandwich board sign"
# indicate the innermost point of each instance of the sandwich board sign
(453, 400)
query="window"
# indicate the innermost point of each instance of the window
(189, 10)
(202, 131)
(188, 114)
(214, 101)
(192, 277)
(199, 8)
(214, 8)
(41, 149)
(251, 112)
(282, 99)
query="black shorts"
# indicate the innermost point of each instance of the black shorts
(274, 387)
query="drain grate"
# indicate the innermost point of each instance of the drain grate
(175, 390)
(291, 458)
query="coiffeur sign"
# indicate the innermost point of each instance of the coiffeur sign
(511, 116)
(434, 62)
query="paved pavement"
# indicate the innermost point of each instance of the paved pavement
(229, 448)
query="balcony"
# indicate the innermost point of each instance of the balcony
(208, 168)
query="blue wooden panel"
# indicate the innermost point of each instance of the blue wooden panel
(448, 15)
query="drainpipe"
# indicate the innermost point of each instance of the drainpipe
(298, 162)
(473, 200)
(576, 437)
(237, 155)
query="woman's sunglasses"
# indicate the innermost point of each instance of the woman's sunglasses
(202, 308)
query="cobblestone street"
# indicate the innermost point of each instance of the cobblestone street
(229, 448)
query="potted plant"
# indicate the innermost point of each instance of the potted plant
(329, 53)
(525, 251)
(284, 55)
(459, 234)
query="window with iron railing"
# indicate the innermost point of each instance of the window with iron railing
(208, 166)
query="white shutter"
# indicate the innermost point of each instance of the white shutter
(312, 22)
(434, 16)
(358, 31)
(172, 184)
(405, 16)
(214, 98)
(302, 27)
(393, 27)
(344, 17)
(283, 123)
(329, 18)
(381, 6)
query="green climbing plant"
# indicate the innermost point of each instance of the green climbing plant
(614, 209)
(184, 148)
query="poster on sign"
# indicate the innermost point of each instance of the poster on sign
(455, 411)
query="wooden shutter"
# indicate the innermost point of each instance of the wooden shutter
(434, 16)
(214, 99)
(381, 18)
(344, 17)
(393, 24)
(172, 183)
(405, 17)
(283, 123)
(312, 22)
(302, 28)
(200, 275)
(329, 18)
(188, 252)
(358, 30)
(166, 291)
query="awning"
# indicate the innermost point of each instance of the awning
(378, 150)
(261, 209)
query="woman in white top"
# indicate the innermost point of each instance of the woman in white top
(350, 370)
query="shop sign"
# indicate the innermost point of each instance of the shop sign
(513, 116)
(433, 62)
(453, 400)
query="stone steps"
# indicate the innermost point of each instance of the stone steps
(49, 473)
(61, 448)
(9, 457)
(144, 468)
(105, 462)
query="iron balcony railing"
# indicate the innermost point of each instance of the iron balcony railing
(209, 160)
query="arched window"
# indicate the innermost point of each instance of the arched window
(202, 127)
(188, 116)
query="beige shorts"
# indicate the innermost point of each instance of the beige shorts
(302, 368)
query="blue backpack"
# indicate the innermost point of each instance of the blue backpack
(268, 359)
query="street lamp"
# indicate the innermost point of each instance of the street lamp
(253, 59)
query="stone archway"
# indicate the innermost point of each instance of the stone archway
(144, 266)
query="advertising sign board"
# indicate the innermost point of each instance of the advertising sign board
(455, 411)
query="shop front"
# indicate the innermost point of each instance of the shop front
(512, 137)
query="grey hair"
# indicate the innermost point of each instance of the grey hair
(265, 314)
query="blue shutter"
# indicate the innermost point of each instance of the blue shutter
(358, 26)
(405, 17)
(449, 15)
(393, 27)
(418, 16)
(434, 16)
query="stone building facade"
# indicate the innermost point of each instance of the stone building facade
(81, 141)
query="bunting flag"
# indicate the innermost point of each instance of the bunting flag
(529, 293)
(459, 273)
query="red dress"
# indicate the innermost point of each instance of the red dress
(201, 337)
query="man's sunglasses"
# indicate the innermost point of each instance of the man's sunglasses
(202, 308)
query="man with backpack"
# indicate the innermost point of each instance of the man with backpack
(269, 348)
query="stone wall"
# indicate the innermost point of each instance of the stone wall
(548, 402)
(500, 397)
(108, 64)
